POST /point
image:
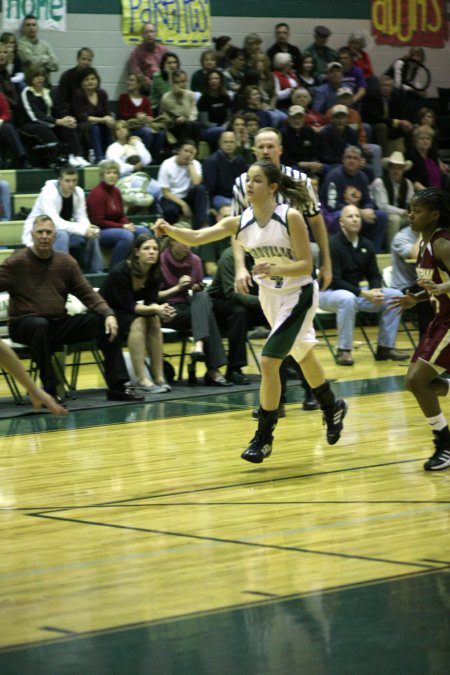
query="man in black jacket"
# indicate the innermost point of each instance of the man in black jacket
(354, 261)
(383, 108)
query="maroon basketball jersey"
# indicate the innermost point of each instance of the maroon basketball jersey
(429, 268)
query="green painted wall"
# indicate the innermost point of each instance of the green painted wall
(324, 9)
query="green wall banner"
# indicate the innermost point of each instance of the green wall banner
(182, 23)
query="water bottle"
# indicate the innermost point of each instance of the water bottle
(91, 156)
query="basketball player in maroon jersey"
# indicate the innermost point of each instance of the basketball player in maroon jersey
(430, 215)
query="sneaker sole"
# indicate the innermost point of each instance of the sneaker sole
(333, 442)
(446, 465)
(255, 459)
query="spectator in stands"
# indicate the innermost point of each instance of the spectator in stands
(425, 170)
(180, 104)
(357, 45)
(243, 145)
(313, 119)
(286, 80)
(214, 106)
(335, 137)
(282, 44)
(146, 58)
(348, 185)
(127, 151)
(266, 84)
(65, 204)
(393, 192)
(339, 133)
(352, 75)
(38, 280)
(306, 75)
(221, 170)
(344, 96)
(181, 181)
(300, 143)
(162, 79)
(105, 209)
(404, 251)
(354, 261)
(90, 104)
(135, 108)
(252, 125)
(236, 313)
(234, 74)
(322, 54)
(38, 117)
(407, 79)
(222, 45)
(10, 138)
(253, 103)
(181, 273)
(14, 65)
(208, 62)
(325, 96)
(251, 47)
(7, 86)
(131, 290)
(5, 200)
(70, 80)
(383, 108)
(34, 51)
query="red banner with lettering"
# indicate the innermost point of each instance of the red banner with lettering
(410, 22)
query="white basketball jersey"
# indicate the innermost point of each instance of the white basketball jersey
(270, 243)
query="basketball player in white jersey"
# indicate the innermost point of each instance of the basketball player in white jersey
(276, 237)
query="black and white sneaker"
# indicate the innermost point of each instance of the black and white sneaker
(441, 458)
(260, 447)
(333, 419)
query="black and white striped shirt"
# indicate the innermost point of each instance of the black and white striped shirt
(239, 201)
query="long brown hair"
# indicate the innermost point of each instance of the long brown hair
(293, 191)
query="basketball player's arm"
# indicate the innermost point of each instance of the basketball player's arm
(242, 277)
(441, 252)
(303, 266)
(320, 234)
(224, 228)
(10, 362)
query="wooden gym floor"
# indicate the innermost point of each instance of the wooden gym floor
(135, 540)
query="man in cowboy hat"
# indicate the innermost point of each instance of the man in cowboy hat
(393, 192)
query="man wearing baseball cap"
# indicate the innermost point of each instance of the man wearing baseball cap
(325, 96)
(320, 52)
(300, 143)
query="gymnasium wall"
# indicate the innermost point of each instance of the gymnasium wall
(97, 24)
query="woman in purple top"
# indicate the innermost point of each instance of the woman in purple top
(90, 104)
(182, 284)
(131, 290)
(426, 170)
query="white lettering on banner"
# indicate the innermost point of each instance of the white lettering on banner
(51, 14)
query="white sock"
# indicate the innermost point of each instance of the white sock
(437, 422)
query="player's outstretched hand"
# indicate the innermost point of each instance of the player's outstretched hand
(402, 302)
(41, 398)
(160, 227)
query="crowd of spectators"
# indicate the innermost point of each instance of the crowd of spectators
(366, 140)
